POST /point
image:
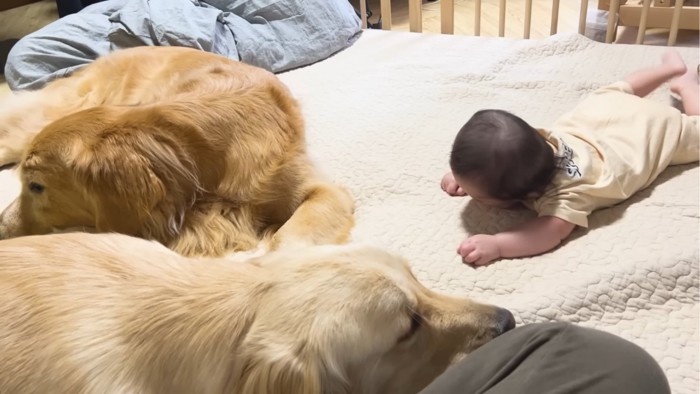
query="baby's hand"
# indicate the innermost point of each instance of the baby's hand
(450, 186)
(479, 249)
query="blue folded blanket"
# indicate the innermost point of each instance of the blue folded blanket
(277, 35)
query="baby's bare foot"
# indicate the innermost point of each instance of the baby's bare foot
(673, 60)
(689, 80)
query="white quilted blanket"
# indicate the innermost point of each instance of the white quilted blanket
(381, 117)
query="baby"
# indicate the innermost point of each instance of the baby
(610, 146)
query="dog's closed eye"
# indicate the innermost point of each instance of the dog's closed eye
(416, 322)
(7, 166)
(36, 187)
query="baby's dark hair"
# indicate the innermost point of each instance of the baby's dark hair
(503, 154)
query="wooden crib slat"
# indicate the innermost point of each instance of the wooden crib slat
(673, 34)
(502, 18)
(555, 17)
(643, 14)
(612, 13)
(528, 18)
(582, 17)
(385, 6)
(363, 13)
(643, 21)
(415, 16)
(477, 18)
(447, 16)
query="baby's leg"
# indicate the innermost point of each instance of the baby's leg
(647, 80)
(688, 88)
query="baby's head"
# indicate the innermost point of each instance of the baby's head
(499, 159)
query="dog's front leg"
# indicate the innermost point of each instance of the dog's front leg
(325, 216)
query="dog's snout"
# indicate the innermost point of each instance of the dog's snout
(505, 320)
(10, 224)
(2, 227)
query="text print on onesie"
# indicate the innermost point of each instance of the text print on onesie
(567, 161)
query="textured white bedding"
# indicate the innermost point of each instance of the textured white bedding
(381, 117)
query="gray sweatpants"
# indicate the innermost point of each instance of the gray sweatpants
(554, 358)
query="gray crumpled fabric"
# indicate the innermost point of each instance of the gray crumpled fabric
(277, 35)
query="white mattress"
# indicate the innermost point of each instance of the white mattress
(381, 117)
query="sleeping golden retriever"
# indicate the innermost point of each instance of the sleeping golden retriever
(109, 313)
(204, 154)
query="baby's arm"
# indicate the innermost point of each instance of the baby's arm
(532, 238)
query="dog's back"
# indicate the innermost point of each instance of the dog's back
(143, 75)
(131, 77)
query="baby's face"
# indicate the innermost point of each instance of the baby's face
(477, 194)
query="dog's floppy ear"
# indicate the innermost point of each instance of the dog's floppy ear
(141, 183)
(276, 369)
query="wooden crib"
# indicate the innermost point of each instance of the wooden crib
(644, 14)
(667, 14)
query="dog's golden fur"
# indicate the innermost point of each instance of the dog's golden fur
(108, 313)
(201, 153)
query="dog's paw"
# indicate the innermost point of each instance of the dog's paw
(241, 257)
(279, 242)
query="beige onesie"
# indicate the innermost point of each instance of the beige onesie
(612, 145)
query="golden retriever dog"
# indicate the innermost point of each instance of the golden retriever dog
(109, 313)
(201, 153)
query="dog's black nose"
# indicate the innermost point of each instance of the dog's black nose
(505, 320)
